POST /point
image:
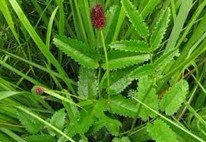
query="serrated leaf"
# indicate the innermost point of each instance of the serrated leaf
(160, 29)
(141, 71)
(174, 97)
(87, 118)
(119, 85)
(80, 52)
(123, 139)
(118, 80)
(87, 84)
(131, 45)
(32, 125)
(121, 59)
(161, 132)
(163, 61)
(112, 125)
(122, 106)
(147, 94)
(140, 136)
(40, 138)
(135, 18)
(58, 119)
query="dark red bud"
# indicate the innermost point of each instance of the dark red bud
(39, 90)
(98, 17)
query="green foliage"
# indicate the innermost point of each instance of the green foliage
(122, 106)
(161, 132)
(6, 94)
(145, 70)
(146, 93)
(131, 75)
(112, 16)
(40, 138)
(87, 84)
(58, 119)
(131, 45)
(94, 114)
(160, 29)
(5, 138)
(32, 125)
(79, 51)
(122, 59)
(123, 139)
(174, 97)
(135, 18)
(119, 80)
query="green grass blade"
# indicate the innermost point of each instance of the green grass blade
(192, 22)
(40, 11)
(199, 31)
(112, 18)
(85, 13)
(42, 47)
(7, 15)
(79, 26)
(119, 24)
(61, 20)
(19, 73)
(40, 67)
(12, 135)
(49, 28)
(178, 24)
(6, 94)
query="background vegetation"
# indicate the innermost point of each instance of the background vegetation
(139, 78)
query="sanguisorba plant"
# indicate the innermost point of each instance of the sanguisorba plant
(132, 60)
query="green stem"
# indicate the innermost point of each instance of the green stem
(106, 58)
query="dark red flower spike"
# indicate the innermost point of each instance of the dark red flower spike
(98, 17)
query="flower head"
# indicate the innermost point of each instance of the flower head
(38, 90)
(98, 17)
